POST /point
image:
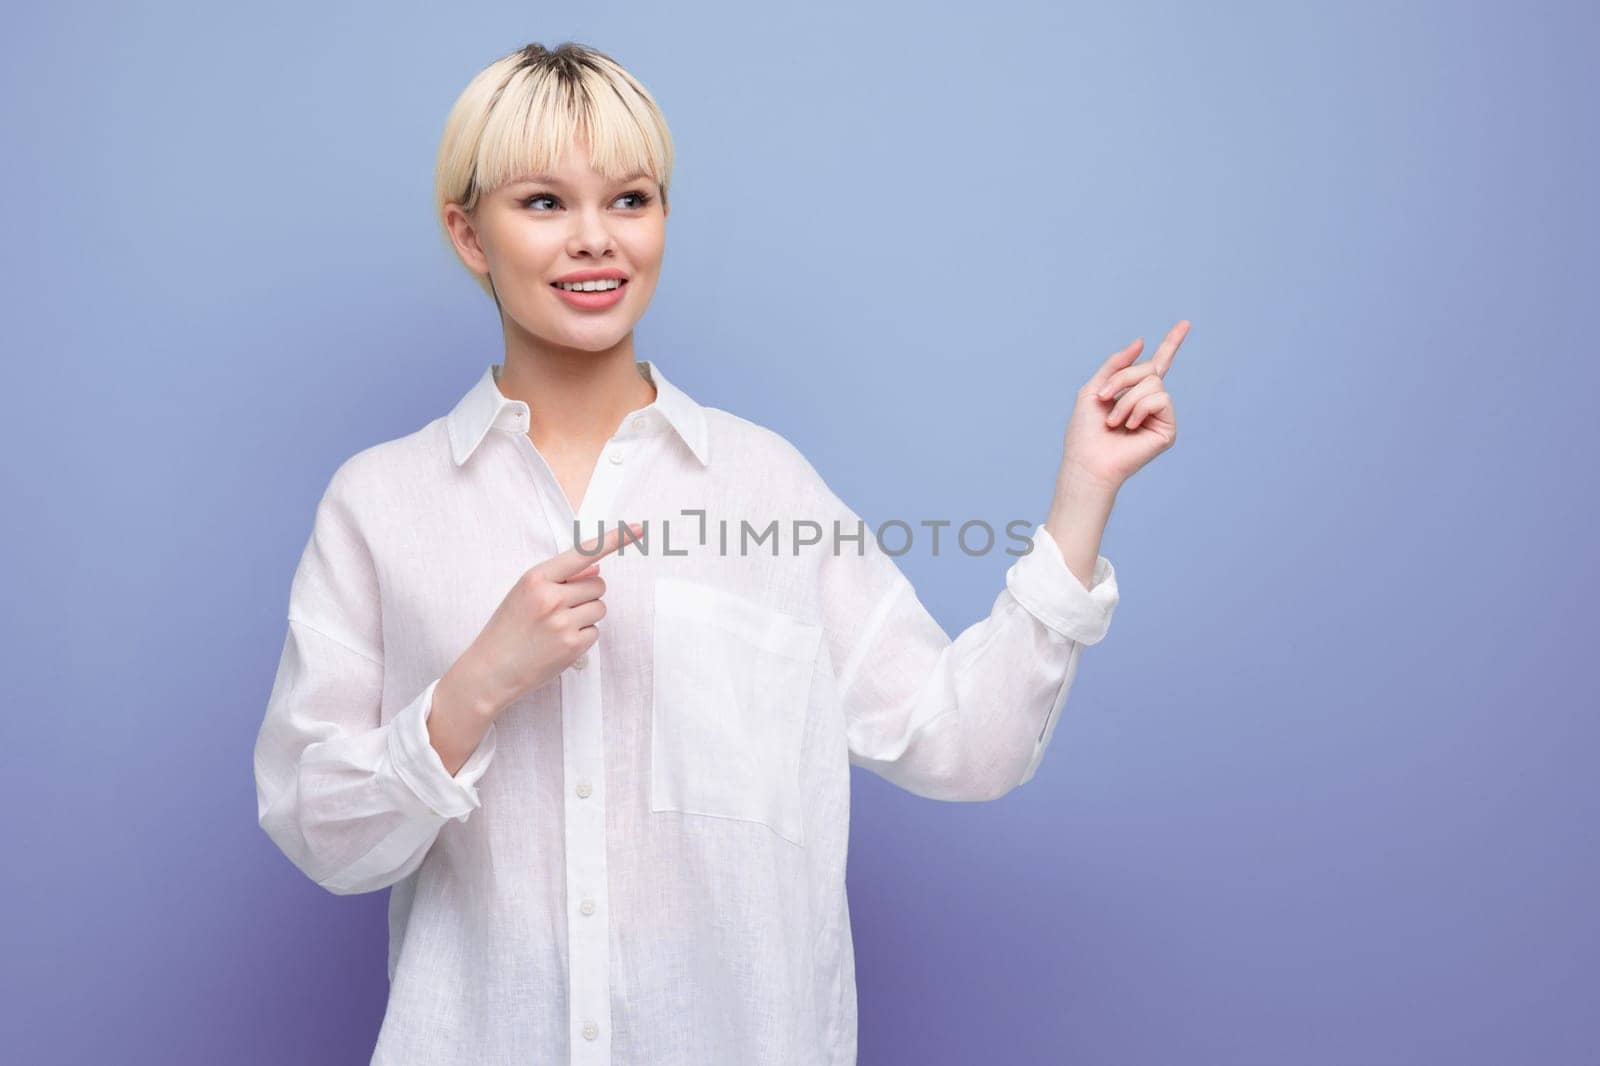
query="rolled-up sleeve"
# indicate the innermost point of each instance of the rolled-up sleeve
(353, 801)
(969, 718)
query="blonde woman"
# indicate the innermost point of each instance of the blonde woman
(608, 780)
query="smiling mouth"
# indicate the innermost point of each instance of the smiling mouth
(620, 283)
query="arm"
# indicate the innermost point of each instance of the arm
(354, 803)
(970, 719)
(967, 719)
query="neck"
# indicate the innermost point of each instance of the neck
(576, 398)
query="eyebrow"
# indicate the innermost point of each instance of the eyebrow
(546, 179)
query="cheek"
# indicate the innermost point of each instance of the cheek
(645, 248)
(533, 251)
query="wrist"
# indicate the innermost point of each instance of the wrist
(1077, 520)
(1079, 488)
(460, 690)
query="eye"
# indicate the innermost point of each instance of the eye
(642, 199)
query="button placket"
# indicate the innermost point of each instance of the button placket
(583, 755)
(583, 758)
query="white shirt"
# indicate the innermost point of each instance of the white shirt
(644, 860)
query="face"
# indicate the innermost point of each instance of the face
(532, 232)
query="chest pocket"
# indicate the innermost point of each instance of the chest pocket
(732, 682)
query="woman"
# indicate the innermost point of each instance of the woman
(614, 809)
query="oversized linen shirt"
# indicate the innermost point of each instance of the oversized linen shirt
(643, 862)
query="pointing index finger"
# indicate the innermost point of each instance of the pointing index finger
(1169, 347)
(574, 561)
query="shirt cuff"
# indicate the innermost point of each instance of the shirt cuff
(1042, 583)
(419, 767)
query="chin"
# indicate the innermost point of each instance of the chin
(597, 343)
(584, 340)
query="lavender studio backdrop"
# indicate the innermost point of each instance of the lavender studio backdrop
(1326, 792)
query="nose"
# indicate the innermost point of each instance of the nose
(590, 234)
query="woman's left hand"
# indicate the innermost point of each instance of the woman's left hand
(1123, 417)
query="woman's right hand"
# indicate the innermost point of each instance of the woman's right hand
(542, 625)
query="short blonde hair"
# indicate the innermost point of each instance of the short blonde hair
(522, 113)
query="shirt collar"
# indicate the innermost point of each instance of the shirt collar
(485, 407)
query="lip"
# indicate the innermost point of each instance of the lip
(593, 301)
(592, 274)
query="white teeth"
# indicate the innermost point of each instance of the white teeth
(589, 286)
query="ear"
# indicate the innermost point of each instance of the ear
(464, 235)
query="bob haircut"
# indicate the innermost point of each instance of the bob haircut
(523, 113)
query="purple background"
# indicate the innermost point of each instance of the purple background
(1325, 794)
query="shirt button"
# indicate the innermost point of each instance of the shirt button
(584, 790)
(616, 457)
(638, 423)
(581, 661)
(590, 1030)
(587, 906)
